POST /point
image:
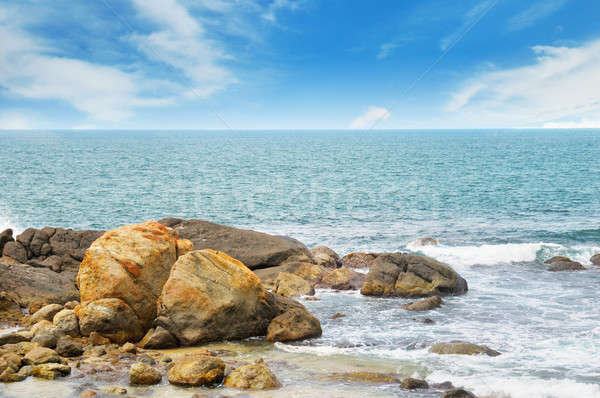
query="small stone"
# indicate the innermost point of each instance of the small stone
(289, 285)
(96, 338)
(147, 359)
(312, 298)
(45, 340)
(116, 390)
(293, 325)
(143, 374)
(13, 338)
(205, 371)
(51, 371)
(46, 313)
(462, 348)
(158, 338)
(424, 305)
(88, 394)
(70, 305)
(252, 377)
(128, 347)
(413, 384)
(458, 393)
(337, 315)
(67, 347)
(10, 376)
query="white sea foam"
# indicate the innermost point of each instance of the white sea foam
(5, 223)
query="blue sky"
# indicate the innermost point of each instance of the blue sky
(299, 64)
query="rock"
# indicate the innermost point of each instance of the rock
(128, 347)
(254, 249)
(16, 251)
(46, 313)
(43, 327)
(111, 317)
(116, 390)
(427, 241)
(5, 237)
(363, 377)
(312, 298)
(13, 338)
(96, 338)
(26, 371)
(358, 260)
(143, 374)
(210, 296)
(324, 256)
(29, 285)
(413, 384)
(10, 311)
(51, 371)
(565, 266)
(45, 340)
(67, 347)
(343, 279)
(462, 348)
(337, 315)
(41, 355)
(310, 272)
(252, 377)
(158, 338)
(11, 376)
(147, 359)
(66, 322)
(595, 259)
(409, 275)
(21, 348)
(129, 266)
(10, 361)
(424, 305)
(88, 394)
(290, 285)
(70, 305)
(458, 393)
(205, 371)
(557, 259)
(95, 351)
(292, 325)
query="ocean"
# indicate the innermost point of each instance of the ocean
(500, 202)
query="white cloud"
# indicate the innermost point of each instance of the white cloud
(386, 49)
(471, 17)
(532, 14)
(14, 121)
(370, 117)
(270, 13)
(563, 83)
(583, 124)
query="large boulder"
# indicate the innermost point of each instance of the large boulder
(122, 275)
(326, 257)
(358, 260)
(343, 279)
(254, 249)
(252, 377)
(294, 324)
(210, 296)
(290, 285)
(410, 275)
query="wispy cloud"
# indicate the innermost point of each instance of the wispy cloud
(371, 116)
(14, 121)
(270, 14)
(538, 10)
(562, 84)
(471, 17)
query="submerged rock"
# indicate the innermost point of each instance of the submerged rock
(358, 260)
(143, 374)
(427, 241)
(254, 249)
(294, 324)
(252, 377)
(556, 266)
(413, 384)
(424, 305)
(343, 279)
(205, 371)
(122, 275)
(290, 285)
(410, 275)
(595, 259)
(363, 377)
(458, 393)
(326, 257)
(462, 348)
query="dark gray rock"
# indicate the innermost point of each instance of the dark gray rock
(565, 266)
(595, 259)
(5, 237)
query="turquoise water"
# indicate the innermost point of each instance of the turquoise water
(499, 202)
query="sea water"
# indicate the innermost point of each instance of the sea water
(499, 203)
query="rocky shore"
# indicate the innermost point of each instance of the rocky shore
(88, 302)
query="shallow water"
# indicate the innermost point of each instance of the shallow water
(499, 203)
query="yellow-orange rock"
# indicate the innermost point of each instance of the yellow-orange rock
(130, 264)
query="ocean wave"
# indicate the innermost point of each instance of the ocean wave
(487, 254)
(5, 223)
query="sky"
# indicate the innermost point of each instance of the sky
(299, 64)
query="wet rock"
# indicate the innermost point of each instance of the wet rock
(458, 393)
(290, 285)
(205, 371)
(46, 313)
(21, 348)
(312, 299)
(324, 256)
(557, 266)
(337, 315)
(252, 377)
(409, 275)
(595, 259)
(66, 322)
(424, 305)
(128, 347)
(67, 347)
(147, 359)
(128, 266)
(11, 376)
(363, 377)
(10, 361)
(294, 324)
(462, 348)
(95, 351)
(41, 355)
(13, 338)
(45, 340)
(358, 260)
(10, 311)
(311, 272)
(196, 309)
(143, 374)
(343, 279)
(26, 371)
(557, 259)
(427, 241)
(413, 384)
(158, 338)
(51, 371)
(96, 338)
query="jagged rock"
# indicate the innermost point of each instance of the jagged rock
(96, 338)
(128, 266)
(43, 327)
(10, 376)
(157, 338)
(424, 305)
(254, 249)
(358, 260)
(46, 313)
(143, 374)
(343, 279)
(70, 305)
(409, 275)
(204, 371)
(413, 384)
(51, 371)
(326, 257)
(252, 377)
(66, 322)
(68, 347)
(294, 324)
(290, 285)
(462, 348)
